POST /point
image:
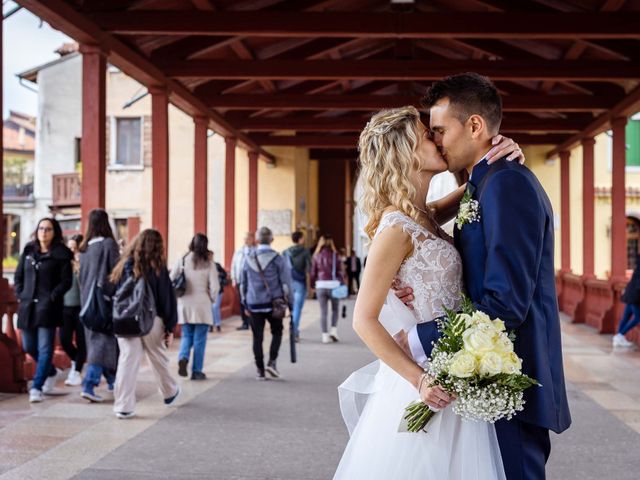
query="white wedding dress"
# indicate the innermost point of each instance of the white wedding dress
(373, 398)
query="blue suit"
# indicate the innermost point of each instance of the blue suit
(508, 264)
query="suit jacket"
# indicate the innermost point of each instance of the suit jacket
(508, 265)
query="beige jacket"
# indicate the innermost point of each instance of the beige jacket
(202, 290)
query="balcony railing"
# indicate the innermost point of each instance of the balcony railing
(17, 193)
(66, 190)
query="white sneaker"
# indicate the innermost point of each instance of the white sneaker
(74, 378)
(35, 395)
(620, 340)
(49, 384)
(333, 333)
(326, 338)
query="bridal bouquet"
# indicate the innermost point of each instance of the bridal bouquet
(475, 361)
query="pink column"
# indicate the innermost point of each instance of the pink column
(253, 191)
(229, 200)
(618, 212)
(588, 211)
(565, 211)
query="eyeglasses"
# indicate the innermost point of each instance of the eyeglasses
(45, 229)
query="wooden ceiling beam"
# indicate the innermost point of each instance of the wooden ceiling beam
(560, 70)
(356, 123)
(513, 25)
(282, 101)
(351, 141)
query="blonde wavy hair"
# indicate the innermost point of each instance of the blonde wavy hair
(387, 148)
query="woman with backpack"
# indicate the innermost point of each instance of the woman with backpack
(223, 280)
(194, 305)
(327, 275)
(99, 253)
(41, 279)
(144, 263)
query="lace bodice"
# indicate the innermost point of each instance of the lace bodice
(433, 270)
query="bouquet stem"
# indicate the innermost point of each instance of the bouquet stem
(417, 416)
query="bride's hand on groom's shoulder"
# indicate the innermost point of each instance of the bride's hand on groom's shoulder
(404, 293)
(503, 146)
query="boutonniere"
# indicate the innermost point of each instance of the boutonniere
(469, 210)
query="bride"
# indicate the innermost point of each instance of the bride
(397, 161)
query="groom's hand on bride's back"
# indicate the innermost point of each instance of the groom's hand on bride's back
(404, 293)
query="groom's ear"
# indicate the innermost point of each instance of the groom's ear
(477, 125)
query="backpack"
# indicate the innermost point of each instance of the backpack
(96, 312)
(222, 277)
(134, 308)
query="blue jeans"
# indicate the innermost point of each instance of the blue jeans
(217, 314)
(630, 318)
(93, 374)
(38, 342)
(194, 335)
(299, 296)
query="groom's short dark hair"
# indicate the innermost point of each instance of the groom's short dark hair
(469, 94)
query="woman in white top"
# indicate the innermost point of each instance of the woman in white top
(194, 307)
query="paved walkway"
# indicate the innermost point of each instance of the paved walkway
(233, 427)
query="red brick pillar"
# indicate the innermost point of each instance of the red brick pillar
(618, 209)
(160, 162)
(565, 211)
(229, 200)
(200, 176)
(93, 144)
(133, 228)
(253, 191)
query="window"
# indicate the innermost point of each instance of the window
(632, 139)
(11, 243)
(128, 141)
(633, 242)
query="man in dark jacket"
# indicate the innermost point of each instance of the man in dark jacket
(265, 277)
(353, 266)
(631, 316)
(300, 262)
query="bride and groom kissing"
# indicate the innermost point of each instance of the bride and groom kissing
(501, 256)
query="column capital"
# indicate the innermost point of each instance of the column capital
(201, 120)
(157, 89)
(254, 155)
(565, 155)
(231, 141)
(619, 122)
(92, 48)
(588, 142)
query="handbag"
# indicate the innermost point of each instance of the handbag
(341, 291)
(278, 305)
(96, 314)
(180, 282)
(134, 308)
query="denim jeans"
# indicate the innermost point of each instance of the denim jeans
(299, 296)
(92, 376)
(324, 297)
(217, 314)
(38, 342)
(630, 318)
(194, 335)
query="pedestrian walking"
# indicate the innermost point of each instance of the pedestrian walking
(327, 275)
(353, 266)
(72, 331)
(195, 305)
(145, 258)
(300, 262)
(223, 281)
(631, 315)
(237, 264)
(41, 279)
(99, 253)
(266, 293)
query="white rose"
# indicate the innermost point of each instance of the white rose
(478, 340)
(481, 317)
(468, 321)
(511, 363)
(490, 364)
(463, 364)
(499, 325)
(503, 344)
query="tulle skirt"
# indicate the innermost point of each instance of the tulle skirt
(372, 401)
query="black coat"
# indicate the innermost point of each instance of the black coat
(41, 280)
(631, 293)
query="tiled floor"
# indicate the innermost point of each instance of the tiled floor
(65, 435)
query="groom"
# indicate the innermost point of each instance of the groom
(508, 264)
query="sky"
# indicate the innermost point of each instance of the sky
(27, 43)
